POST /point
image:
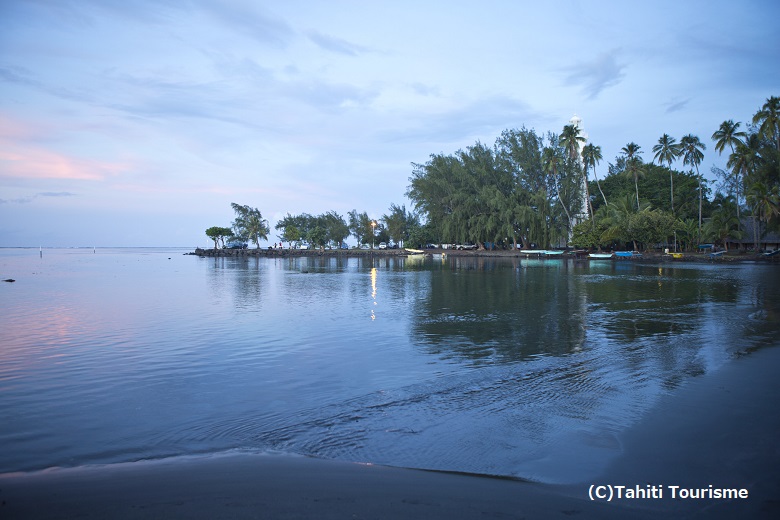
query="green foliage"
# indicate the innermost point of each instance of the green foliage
(321, 230)
(249, 224)
(723, 224)
(219, 234)
(505, 194)
(398, 223)
(360, 227)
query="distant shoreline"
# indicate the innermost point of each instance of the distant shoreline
(652, 257)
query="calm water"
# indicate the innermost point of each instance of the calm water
(511, 367)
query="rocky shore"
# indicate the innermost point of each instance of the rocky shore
(652, 256)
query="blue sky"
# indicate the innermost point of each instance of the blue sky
(138, 123)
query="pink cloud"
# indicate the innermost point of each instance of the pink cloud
(24, 155)
(38, 163)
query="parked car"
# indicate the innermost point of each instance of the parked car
(236, 243)
(382, 245)
(303, 246)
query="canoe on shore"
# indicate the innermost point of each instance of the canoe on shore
(600, 256)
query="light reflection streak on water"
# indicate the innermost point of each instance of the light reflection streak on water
(373, 291)
(526, 368)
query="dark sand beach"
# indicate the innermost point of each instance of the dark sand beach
(721, 429)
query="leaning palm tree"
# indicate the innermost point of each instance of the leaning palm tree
(591, 156)
(667, 151)
(768, 120)
(692, 154)
(633, 168)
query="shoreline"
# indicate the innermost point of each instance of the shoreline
(720, 430)
(650, 257)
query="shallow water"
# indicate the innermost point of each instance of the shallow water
(511, 367)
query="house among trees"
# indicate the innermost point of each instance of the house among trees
(754, 237)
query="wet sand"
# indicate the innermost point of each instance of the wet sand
(721, 429)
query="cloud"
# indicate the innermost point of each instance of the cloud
(337, 45)
(28, 199)
(36, 163)
(248, 20)
(486, 117)
(675, 106)
(596, 75)
(21, 76)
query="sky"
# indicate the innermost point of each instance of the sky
(139, 123)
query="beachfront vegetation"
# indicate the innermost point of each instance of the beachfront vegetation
(219, 234)
(527, 190)
(534, 190)
(249, 224)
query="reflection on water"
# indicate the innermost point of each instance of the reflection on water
(511, 366)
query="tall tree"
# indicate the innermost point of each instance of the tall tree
(591, 156)
(768, 120)
(571, 140)
(667, 151)
(250, 224)
(728, 134)
(633, 165)
(693, 153)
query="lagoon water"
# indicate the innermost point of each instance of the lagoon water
(501, 366)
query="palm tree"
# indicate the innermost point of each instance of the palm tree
(768, 120)
(633, 168)
(591, 156)
(667, 151)
(571, 140)
(723, 225)
(691, 148)
(729, 135)
(765, 201)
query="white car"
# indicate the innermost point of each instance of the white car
(382, 245)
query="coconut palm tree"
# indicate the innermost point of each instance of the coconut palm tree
(633, 165)
(768, 120)
(729, 135)
(571, 140)
(765, 201)
(667, 151)
(691, 147)
(591, 156)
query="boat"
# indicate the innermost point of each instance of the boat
(415, 251)
(531, 251)
(600, 256)
(677, 256)
(549, 252)
(717, 254)
(771, 253)
(627, 254)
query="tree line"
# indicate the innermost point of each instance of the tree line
(329, 229)
(532, 190)
(536, 190)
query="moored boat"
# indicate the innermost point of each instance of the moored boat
(600, 256)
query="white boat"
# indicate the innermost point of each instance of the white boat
(600, 256)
